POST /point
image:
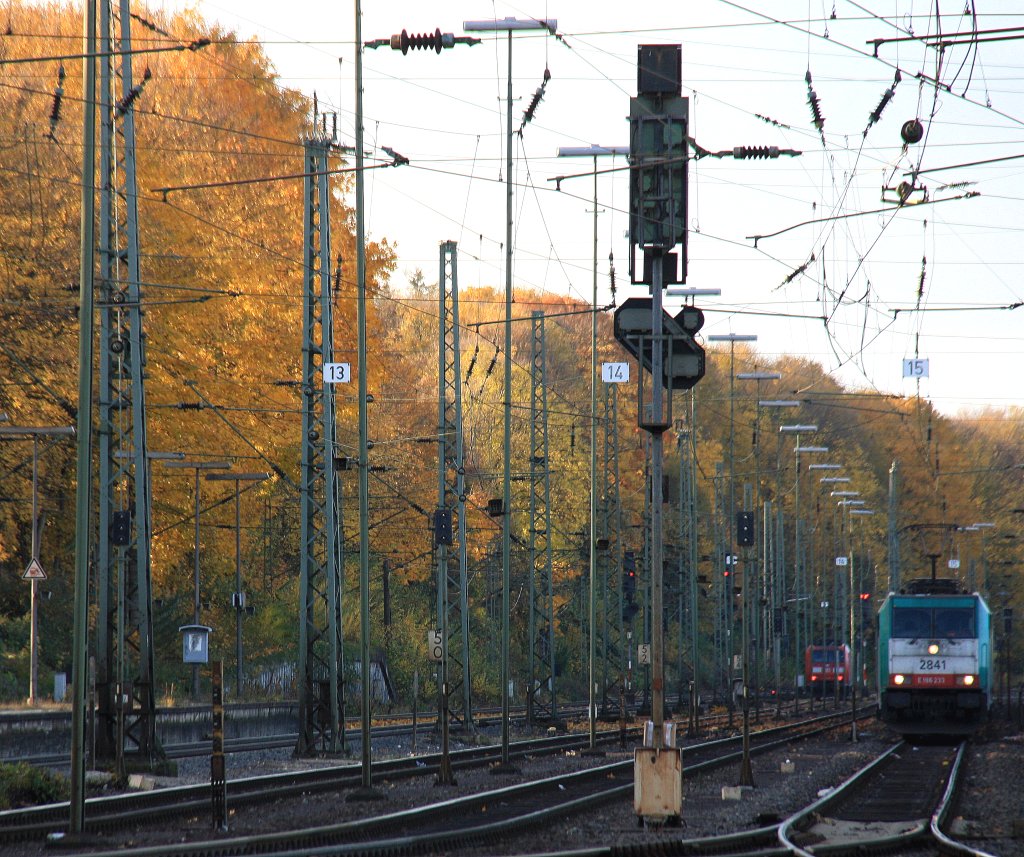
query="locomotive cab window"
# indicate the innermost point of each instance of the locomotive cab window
(911, 622)
(955, 623)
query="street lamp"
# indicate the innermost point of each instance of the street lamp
(855, 643)
(983, 526)
(732, 339)
(34, 571)
(692, 292)
(594, 152)
(750, 611)
(196, 466)
(238, 597)
(798, 429)
(508, 25)
(777, 577)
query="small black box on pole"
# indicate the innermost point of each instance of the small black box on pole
(442, 526)
(745, 529)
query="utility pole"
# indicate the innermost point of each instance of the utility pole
(452, 613)
(894, 533)
(321, 687)
(594, 152)
(83, 458)
(126, 699)
(34, 571)
(686, 439)
(508, 25)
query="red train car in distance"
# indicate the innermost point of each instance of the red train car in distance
(826, 665)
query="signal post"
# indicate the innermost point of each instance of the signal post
(664, 347)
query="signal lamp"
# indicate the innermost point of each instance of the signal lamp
(968, 680)
(933, 648)
(898, 679)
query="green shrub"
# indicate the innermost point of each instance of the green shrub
(23, 785)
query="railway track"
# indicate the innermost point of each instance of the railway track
(386, 726)
(463, 821)
(898, 801)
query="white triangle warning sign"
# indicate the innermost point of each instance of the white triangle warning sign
(34, 571)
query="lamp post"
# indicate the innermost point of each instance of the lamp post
(750, 608)
(508, 25)
(197, 466)
(984, 526)
(238, 597)
(594, 152)
(34, 571)
(797, 429)
(813, 585)
(854, 636)
(732, 339)
(773, 554)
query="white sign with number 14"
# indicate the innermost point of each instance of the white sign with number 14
(615, 373)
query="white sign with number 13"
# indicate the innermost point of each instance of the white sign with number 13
(337, 373)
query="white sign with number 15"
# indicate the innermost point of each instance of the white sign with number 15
(915, 367)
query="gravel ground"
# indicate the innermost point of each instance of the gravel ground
(990, 815)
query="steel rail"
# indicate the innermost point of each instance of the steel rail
(558, 792)
(946, 844)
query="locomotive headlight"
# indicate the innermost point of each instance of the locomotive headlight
(898, 679)
(933, 648)
(968, 680)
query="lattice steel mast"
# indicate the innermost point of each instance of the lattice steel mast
(614, 649)
(126, 701)
(452, 577)
(541, 700)
(320, 669)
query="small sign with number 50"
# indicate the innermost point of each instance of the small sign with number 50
(615, 373)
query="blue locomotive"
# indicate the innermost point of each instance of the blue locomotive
(934, 658)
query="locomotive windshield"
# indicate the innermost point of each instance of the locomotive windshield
(951, 623)
(824, 656)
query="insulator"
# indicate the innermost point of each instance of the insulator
(125, 103)
(611, 275)
(920, 279)
(876, 114)
(149, 25)
(538, 96)
(58, 97)
(912, 131)
(490, 366)
(572, 437)
(427, 41)
(472, 363)
(812, 100)
(534, 102)
(745, 152)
